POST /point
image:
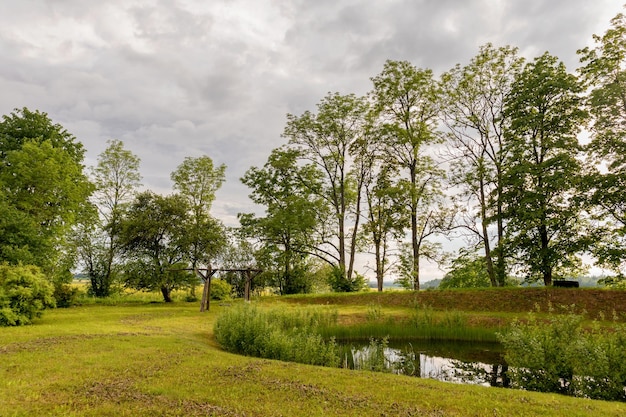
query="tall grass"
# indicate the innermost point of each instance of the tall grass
(423, 323)
(277, 334)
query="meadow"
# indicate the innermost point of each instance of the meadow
(135, 356)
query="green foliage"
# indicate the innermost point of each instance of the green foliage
(66, 295)
(24, 294)
(277, 334)
(287, 232)
(467, 271)
(407, 102)
(331, 140)
(116, 177)
(153, 237)
(373, 357)
(339, 283)
(543, 194)
(44, 192)
(197, 180)
(220, 290)
(561, 354)
(474, 101)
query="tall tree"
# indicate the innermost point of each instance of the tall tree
(543, 169)
(292, 207)
(384, 216)
(407, 101)
(473, 112)
(116, 177)
(197, 180)
(329, 139)
(604, 71)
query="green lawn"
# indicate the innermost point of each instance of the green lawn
(147, 359)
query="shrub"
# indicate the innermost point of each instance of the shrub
(24, 294)
(66, 295)
(274, 334)
(220, 290)
(560, 355)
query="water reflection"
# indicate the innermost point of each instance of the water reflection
(459, 362)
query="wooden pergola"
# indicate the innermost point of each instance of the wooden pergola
(249, 274)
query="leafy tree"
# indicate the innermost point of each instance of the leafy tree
(475, 96)
(287, 231)
(44, 192)
(24, 294)
(604, 71)
(384, 216)
(116, 177)
(543, 171)
(23, 125)
(197, 180)
(331, 139)
(49, 193)
(407, 103)
(467, 271)
(152, 235)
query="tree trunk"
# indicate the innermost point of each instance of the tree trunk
(546, 266)
(485, 233)
(167, 294)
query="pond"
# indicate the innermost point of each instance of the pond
(460, 362)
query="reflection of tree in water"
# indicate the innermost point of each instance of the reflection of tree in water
(495, 375)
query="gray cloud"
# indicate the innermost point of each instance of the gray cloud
(177, 79)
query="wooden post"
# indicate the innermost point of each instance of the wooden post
(206, 291)
(247, 286)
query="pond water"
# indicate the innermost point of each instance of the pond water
(459, 362)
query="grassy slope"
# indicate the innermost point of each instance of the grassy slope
(156, 359)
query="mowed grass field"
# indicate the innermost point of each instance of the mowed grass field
(157, 359)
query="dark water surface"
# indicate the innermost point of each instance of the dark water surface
(459, 362)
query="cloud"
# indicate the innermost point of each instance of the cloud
(187, 78)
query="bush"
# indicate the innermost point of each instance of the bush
(24, 294)
(220, 290)
(66, 295)
(560, 355)
(273, 334)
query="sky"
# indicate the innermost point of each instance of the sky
(187, 78)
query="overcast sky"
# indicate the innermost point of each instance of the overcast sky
(178, 78)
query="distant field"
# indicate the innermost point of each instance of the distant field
(138, 358)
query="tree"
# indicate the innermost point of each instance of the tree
(475, 96)
(197, 180)
(384, 216)
(407, 102)
(47, 190)
(24, 125)
(604, 71)
(467, 271)
(330, 139)
(116, 177)
(152, 236)
(287, 231)
(44, 191)
(543, 172)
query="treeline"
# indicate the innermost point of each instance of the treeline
(59, 216)
(493, 150)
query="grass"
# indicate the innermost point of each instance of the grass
(155, 359)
